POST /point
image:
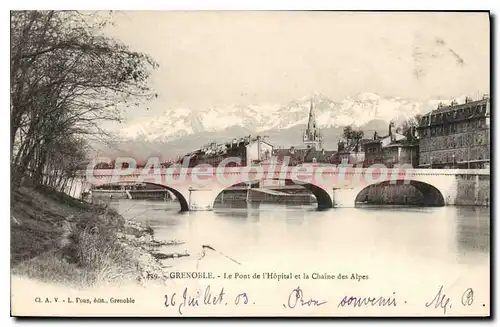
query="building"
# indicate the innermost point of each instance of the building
(248, 149)
(297, 156)
(456, 136)
(392, 149)
(258, 150)
(349, 155)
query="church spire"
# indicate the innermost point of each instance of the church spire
(311, 124)
(312, 135)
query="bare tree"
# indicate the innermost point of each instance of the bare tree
(406, 127)
(66, 78)
(353, 137)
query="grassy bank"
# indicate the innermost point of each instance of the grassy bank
(56, 238)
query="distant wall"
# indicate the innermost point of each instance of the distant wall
(136, 194)
(391, 194)
(109, 194)
(473, 190)
(299, 198)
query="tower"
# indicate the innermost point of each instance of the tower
(312, 135)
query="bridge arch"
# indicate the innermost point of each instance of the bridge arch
(430, 194)
(180, 197)
(178, 194)
(323, 196)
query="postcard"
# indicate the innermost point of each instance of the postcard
(250, 164)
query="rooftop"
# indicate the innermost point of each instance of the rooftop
(304, 154)
(454, 107)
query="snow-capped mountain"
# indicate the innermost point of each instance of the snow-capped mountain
(358, 111)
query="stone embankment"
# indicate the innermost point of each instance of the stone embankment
(473, 190)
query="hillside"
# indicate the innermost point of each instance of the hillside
(58, 239)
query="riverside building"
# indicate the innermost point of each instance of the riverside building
(456, 136)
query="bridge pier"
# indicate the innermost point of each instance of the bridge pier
(202, 199)
(345, 197)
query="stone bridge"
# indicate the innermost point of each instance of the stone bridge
(333, 186)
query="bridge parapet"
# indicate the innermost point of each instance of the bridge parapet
(276, 172)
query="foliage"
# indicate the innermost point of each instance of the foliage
(66, 78)
(353, 137)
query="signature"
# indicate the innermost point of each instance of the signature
(443, 301)
(297, 297)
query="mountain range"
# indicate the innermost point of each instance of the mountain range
(180, 130)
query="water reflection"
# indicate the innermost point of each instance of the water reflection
(238, 210)
(473, 230)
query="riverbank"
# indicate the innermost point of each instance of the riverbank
(58, 239)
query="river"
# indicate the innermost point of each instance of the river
(415, 254)
(257, 235)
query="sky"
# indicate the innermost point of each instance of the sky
(228, 58)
